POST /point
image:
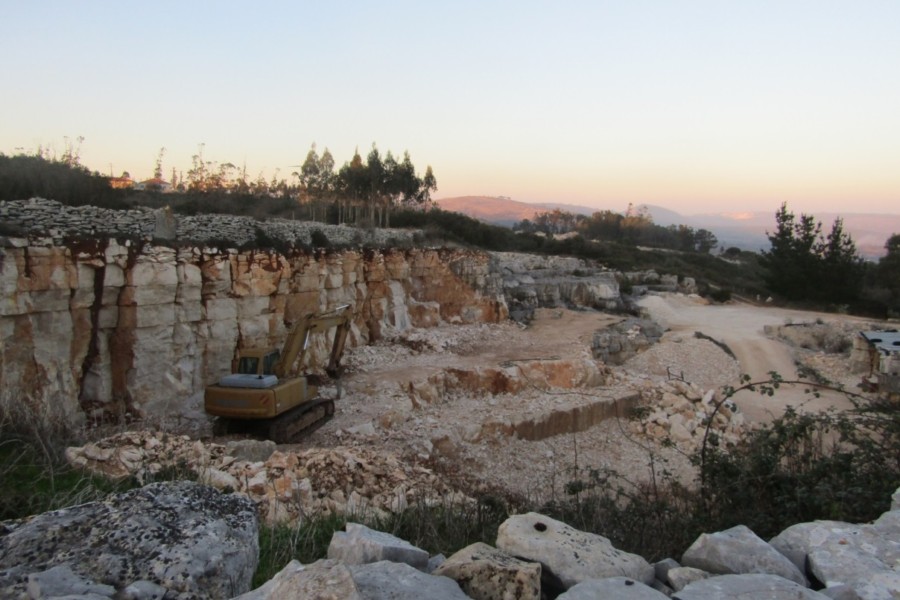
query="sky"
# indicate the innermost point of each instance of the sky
(694, 105)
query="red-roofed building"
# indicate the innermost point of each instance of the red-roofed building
(124, 182)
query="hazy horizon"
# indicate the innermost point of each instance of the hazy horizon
(695, 106)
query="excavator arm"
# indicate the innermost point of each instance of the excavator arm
(297, 341)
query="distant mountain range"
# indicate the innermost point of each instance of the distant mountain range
(745, 230)
(502, 210)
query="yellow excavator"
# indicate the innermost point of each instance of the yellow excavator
(264, 395)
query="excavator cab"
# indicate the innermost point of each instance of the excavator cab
(257, 363)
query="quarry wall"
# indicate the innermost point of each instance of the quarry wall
(102, 329)
(112, 314)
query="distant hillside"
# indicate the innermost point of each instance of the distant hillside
(502, 210)
(745, 230)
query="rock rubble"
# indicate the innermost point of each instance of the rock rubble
(287, 487)
(38, 215)
(680, 412)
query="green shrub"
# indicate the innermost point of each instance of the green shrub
(720, 295)
(307, 543)
(803, 467)
(319, 239)
(32, 484)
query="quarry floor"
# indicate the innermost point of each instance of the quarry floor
(446, 431)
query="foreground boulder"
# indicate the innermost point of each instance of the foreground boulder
(612, 588)
(286, 487)
(486, 573)
(322, 580)
(738, 550)
(360, 545)
(680, 577)
(742, 587)
(566, 554)
(861, 557)
(399, 581)
(181, 538)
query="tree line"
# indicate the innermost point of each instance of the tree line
(634, 228)
(360, 190)
(806, 264)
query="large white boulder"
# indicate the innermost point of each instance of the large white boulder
(611, 588)
(399, 581)
(361, 545)
(322, 580)
(743, 587)
(740, 551)
(183, 537)
(485, 573)
(572, 556)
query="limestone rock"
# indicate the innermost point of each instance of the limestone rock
(895, 500)
(250, 450)
(738, 550)
(321, 580)
(570, 555)
(838, 553)
(399, 581)
(150, 326)
(881, 585)
(361, 545)
(661, 568)
(679, 577)
(617, 343)
(681, 412)
(837, 564)
(143, 590)
(742, 587)
(611, 588)
(888, 525)
(185, 537)
(287, 487)
(61, 581)
(840, 592)
(486, 573)
(530, 282)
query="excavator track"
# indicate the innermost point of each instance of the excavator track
(300, 421)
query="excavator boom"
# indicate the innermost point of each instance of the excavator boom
(272, 398)
(297, 341)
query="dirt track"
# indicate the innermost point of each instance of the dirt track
(741, 326)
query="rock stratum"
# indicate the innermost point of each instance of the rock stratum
(106, 330)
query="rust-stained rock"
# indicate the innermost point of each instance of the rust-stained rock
(322, 580)
(103, 330)
(486, 573)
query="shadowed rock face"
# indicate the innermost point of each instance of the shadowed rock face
(182, 536)
(619, 342)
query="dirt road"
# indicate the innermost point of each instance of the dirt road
(741, 327)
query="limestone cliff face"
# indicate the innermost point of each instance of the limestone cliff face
(102, 330)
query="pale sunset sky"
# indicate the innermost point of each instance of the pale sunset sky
(694, 105)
